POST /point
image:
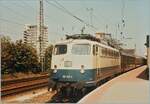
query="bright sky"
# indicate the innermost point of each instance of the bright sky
(15, 13)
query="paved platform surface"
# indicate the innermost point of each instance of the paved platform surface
(128, 88)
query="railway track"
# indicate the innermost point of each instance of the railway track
(71, 98)
(10, 87)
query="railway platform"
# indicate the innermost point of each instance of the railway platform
(129, 88)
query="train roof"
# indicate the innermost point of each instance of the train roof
(77, 41)
(126, 54)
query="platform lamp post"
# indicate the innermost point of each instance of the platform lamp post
(148, 52)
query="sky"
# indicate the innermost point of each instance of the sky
(100, 13)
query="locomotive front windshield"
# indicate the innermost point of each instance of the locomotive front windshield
(81, 49)
(60, 49)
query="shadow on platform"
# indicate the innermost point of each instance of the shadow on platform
(144, 75)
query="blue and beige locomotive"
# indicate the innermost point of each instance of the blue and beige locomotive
(80, 62)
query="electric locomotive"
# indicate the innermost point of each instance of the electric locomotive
(82, 61)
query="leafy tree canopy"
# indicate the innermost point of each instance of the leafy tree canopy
(18, 57)
(48, 57)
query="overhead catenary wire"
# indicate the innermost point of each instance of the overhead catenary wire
(24, 5)
(98, 21)
(5, 31)
(20, 6)
(20, 16)
(107, 20)
(9, 21)
(68, 11)
(27, 4)
(15, 12)
(63, 9)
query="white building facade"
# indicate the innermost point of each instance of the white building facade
(31, 37)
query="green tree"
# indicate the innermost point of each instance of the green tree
(18, 57)
(26, 58)
(48, 57)
(7, 55)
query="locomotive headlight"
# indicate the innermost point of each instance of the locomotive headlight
(82, 69)
(55, 69)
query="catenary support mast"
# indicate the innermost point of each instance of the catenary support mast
(41, 34)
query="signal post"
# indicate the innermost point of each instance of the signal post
(148, 52)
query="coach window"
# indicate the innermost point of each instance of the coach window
(111, 53)
(106, 52)
(100, 51)
(114, 54)
(117, 54)
(96, 50)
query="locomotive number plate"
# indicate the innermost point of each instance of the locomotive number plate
(66, 76)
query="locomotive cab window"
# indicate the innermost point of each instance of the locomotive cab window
(60, 49)
(81, 49)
